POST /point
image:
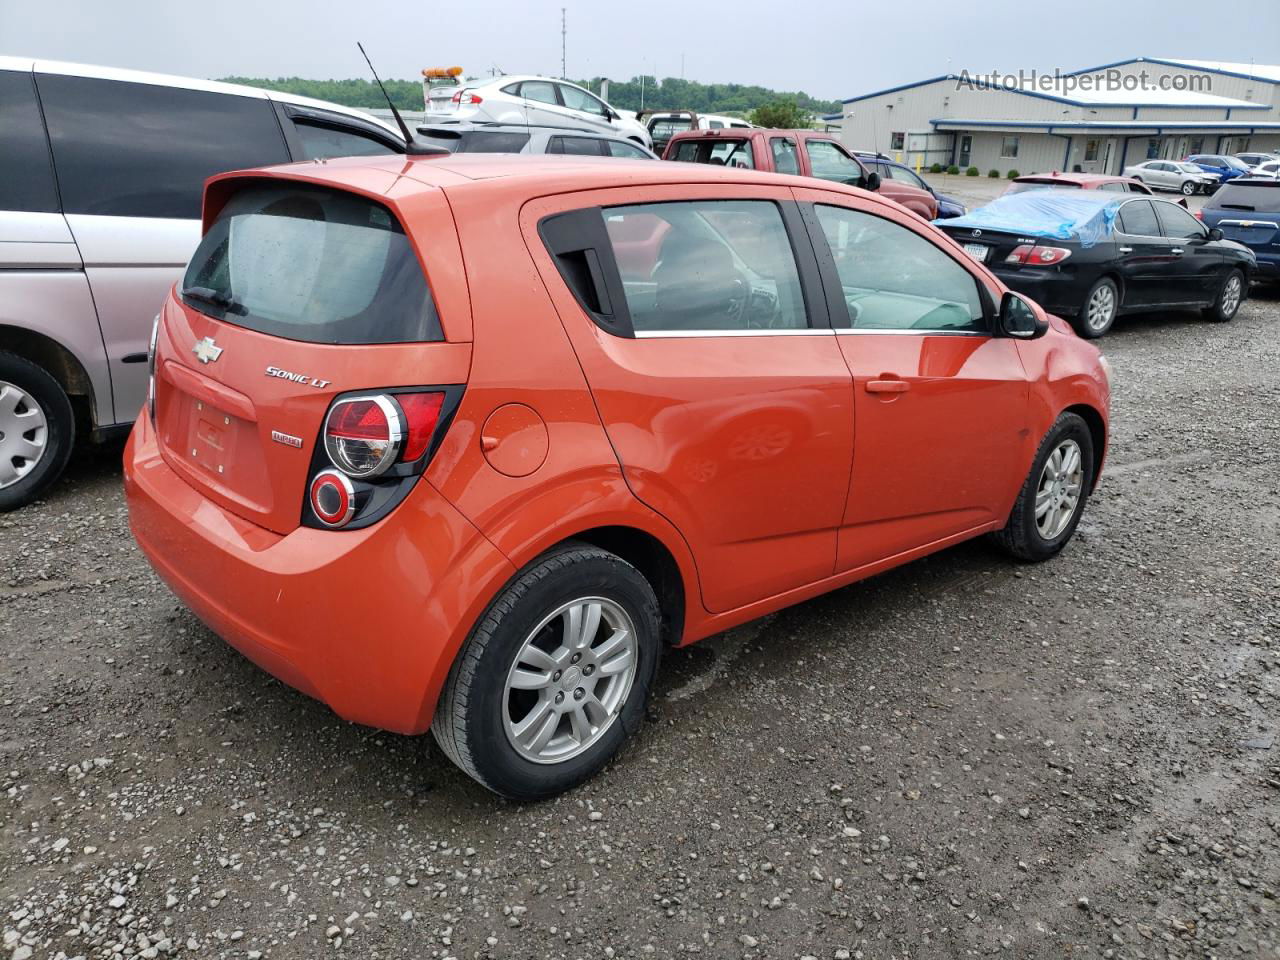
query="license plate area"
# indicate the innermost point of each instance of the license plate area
(978, 251)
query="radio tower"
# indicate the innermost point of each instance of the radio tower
(563, 73)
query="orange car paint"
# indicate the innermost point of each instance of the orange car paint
(764, 466)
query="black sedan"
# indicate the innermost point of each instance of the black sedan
(1090, 259)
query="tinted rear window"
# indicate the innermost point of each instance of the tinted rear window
(311, 264)
(1022, 186)
(26, 172)
(485, 141)
(145, 150)
(1255, 195)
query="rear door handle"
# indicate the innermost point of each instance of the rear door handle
(1126, 249)
(888, 386)
(1176, 251)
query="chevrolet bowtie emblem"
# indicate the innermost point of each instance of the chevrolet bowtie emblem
(206, 350)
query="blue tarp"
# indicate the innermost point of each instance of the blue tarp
(1084, 215)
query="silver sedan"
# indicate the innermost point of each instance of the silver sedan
(1185, 178)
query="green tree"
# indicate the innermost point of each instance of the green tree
(784, 114)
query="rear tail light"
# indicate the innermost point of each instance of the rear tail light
(1037, 255)
(1199, 215)
(421, 413)
(467, 97)
(362, 435)
(333, 499)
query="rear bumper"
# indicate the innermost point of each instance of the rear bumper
(1058, 292)
(367, 621)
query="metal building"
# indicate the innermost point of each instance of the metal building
(1095, 120)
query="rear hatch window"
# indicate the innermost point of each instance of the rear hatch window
(1022, 186)
(314, 265)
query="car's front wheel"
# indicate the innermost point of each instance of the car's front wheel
(1049, 505)
(1188, 188)
(554, 677)
(37, 430)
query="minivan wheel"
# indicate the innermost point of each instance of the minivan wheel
(554, 677)
(1049, 506)
(1188, 188)
(37, 430)
(1230, 295)
(1099, 312)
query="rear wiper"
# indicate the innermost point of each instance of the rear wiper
(211, 296)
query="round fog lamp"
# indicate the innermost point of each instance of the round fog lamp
(333, 499)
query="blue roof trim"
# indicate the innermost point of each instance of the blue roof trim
(1156, 125)
(1092, 104)
(1173, 63)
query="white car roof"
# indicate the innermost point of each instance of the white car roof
(184, 83)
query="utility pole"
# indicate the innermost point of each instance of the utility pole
(564, 75)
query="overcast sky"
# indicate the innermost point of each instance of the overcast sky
(831, 49)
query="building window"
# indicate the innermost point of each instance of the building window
(1008, 148)
(1196, 145)
(1090, 151)
(1153, 149)
(897, 141)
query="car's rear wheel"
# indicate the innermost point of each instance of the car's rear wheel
(37, 431)
(1230, 296)
(1099, 311)
(554, 677)
(1188, 187)
(1052, 498)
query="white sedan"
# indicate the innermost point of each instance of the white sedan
(1185, 178)
(541, 101)
(1270, 169)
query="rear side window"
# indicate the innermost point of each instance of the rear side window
(718, 152)
(483, 141)
(785, 158)
(577, 146)
(26, 172)
(143, 150)
(629, 150)
(311, 264)
(706, 265)
(1138, 219)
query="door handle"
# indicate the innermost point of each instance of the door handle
(888, 386)
(1176, 251)
(1126, 249)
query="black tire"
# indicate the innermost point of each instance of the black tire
(469, 719)
(1225, 306)
(58, 433)
(1188, 188)
(1021, 536)
(1091, 329)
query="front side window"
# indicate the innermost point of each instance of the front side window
(26, 172)
(1177, 224)
(903, 175)
(1137, 219)
(1008, 148)
(895, 279)
(539, 90)
(576, 146)
(828, 162)
(785, 158)
(312, 264)
(618, 148)
(576, 99)
(322, 140)
(721, 265)
(145, 150)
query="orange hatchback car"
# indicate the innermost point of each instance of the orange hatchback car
(462, 442)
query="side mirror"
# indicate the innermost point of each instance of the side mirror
(1020, 318)
(1215, 233)
(872, 182)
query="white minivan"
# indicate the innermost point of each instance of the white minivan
(101, 173)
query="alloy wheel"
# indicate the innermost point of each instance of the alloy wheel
(1231, 295)
(570, 680)
(1058, 492)
(1101, 308)
(24, 433)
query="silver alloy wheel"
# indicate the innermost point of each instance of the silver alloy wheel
(1231, 295)
(1101, 308)
(570, 681)
(1188, 187)
(1058, 493)
(24, 433)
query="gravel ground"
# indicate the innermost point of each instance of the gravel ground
(958, 758)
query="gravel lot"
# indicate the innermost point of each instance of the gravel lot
(958, 758)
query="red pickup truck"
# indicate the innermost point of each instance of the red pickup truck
(807, 153)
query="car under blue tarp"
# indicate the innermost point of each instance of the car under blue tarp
(1084, 215)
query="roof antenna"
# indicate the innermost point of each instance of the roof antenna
(410, 145)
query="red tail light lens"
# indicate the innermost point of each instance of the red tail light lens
(1199, 215)
(466, 96)
(362, 435)
(1037, 255)
(421, 414)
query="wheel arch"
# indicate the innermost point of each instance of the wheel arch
(1097, 433)
(60, 363)
(656, 563)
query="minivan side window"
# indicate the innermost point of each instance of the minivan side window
(26, 172)
(1177, 224)
(323, 140)
(1137, 219)
(144, 150)
(577, 146)
(895, 279)
(721, 265)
